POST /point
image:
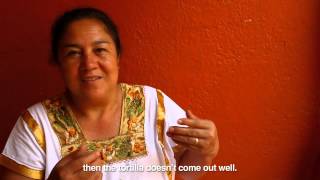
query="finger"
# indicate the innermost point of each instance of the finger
(187, 146)
(98, 162)
(88, 158)
(97, 174)
(195, 123)
(191, 115)
(187, 140)
(95, 163)
(95, 171)
(89, 175)
(80, 151)
(187, 131)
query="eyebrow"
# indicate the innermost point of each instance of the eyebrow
(71, 46)
(101, 42)
(94, 43)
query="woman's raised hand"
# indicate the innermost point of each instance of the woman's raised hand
(71, 166)
(199, 136)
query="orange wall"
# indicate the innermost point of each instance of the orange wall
(251, 66)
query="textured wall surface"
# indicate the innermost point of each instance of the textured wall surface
(250, 66)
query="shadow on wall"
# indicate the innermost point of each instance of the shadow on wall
(309, 166)
(314, 148)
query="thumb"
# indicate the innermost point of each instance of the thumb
(83, 148)
(191, 115)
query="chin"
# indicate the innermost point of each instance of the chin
(96, 94)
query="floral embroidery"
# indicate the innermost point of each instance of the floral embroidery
(134, 111)
(67, 130)
(130, 142)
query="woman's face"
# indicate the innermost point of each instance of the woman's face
(88, 59)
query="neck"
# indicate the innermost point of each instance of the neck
(95, 108)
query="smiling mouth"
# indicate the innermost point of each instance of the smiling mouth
(91, 79)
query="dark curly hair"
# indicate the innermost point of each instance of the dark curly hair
(61, 24)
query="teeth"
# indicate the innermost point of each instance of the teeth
(91, 79)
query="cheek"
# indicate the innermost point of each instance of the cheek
(69, 73)
(110, 67)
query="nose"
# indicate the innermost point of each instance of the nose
(88, 61)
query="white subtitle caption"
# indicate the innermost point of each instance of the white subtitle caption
(158, 168)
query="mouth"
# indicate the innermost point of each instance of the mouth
(90, 78)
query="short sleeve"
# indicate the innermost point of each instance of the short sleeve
(24, 152)
(173, 113)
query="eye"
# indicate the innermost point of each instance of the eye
(101, 50)
(73, 53)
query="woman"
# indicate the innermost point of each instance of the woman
(99, 121)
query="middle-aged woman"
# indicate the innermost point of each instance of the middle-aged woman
(99, 121)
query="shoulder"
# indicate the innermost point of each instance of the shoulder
(39, 109)
(37, 115)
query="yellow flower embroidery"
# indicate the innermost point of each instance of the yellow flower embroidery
(130, 143)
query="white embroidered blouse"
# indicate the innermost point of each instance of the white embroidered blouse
(48, 131)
